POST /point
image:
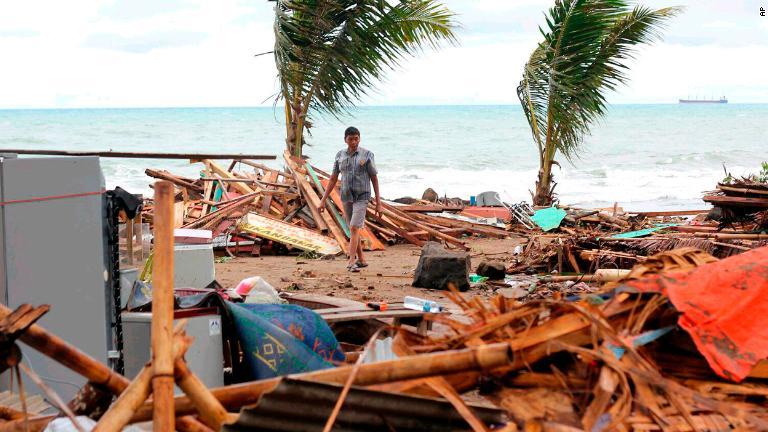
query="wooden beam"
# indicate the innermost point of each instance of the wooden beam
(394, 214)
(313, 202)
(163, 417)
(264, 167)
(670, 213)
(271, 176)
(140, 155)
(233, 397)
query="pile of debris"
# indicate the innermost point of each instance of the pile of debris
(623, 360)
(250, 205)
(672, 346)
(741, 203)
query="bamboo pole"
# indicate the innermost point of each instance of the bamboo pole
(162, 309)
(70, 357)
(234, 397)
(212, 413)
(81, 363)
(121, 411)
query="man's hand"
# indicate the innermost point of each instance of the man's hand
(378, 208)
(322, 205)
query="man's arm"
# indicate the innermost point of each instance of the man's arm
(331, 185)
(375, 182)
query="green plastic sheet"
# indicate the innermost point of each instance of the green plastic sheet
(548, 218)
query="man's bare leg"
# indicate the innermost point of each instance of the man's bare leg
(354, 243)
(360, 257)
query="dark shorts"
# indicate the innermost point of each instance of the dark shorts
(354, 213)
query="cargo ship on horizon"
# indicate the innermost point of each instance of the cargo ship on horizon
(722, 100)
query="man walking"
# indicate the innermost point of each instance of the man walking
(358, 171)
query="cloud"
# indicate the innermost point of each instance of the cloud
(128, 10)
(143, 43)
(18, 33)
(138, 53)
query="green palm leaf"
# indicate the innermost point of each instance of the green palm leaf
(584, 54)
(330, 53)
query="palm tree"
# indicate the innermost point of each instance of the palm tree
(329, 53)
(583, 55)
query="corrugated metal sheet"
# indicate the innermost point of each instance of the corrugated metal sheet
(297, 405)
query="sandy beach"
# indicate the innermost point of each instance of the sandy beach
(388, 277)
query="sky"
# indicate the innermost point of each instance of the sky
(166, 53)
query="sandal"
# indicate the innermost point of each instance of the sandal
(361, 264)
(353, 268)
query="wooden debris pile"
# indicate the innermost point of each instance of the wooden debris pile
(589, 366)
(741, 204)
(251, 207)
(613, 362)
(591, 240)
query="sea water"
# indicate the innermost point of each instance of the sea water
(641, 156)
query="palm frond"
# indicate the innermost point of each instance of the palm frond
(333, 52)
(584, 54)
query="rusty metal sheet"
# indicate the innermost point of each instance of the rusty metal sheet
(297, 405)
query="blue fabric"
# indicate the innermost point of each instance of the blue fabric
(283, 339)
(644, 232)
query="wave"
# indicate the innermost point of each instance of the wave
(633, 186)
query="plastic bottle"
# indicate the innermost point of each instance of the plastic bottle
(421, 304)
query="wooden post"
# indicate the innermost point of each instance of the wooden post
(129, 240)
(162, 309)
(139, 233)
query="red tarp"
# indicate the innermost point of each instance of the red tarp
(724, 307)
(487, 212)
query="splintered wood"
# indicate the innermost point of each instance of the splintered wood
(575, 367)
(262, 209)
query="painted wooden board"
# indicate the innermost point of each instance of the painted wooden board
(288, 234)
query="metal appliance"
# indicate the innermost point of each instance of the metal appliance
(57, 247)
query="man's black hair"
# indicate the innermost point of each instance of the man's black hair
(351, 131)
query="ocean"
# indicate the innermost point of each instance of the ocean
(641, 156)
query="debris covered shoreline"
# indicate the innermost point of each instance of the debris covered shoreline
(545, 319)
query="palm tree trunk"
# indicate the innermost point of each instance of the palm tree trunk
(543, 195)
(298, 141)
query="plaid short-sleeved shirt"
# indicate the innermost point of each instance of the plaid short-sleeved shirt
(356, 170)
